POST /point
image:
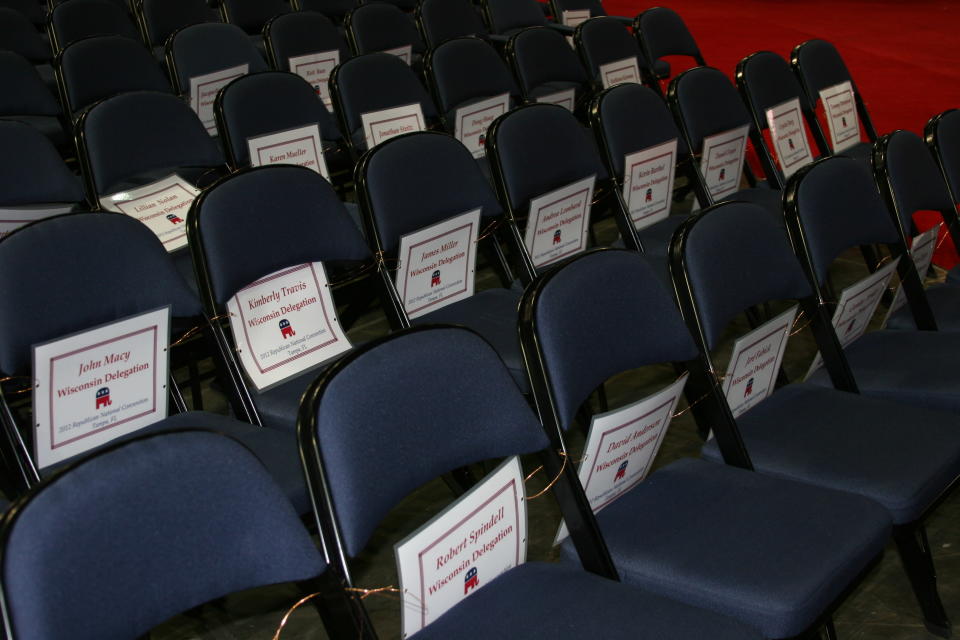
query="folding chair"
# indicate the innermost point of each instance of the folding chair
(32, 173)
(370, 397)
(380, 26)
(158, 525)
(442, 20)
(510, 17)
(77, 250)
(18, 35)
(905, 458)
(28, 100)
(604, 40)
(159, 19)
(818, 66)
(545, 65)
(304, 223)
(302, 33)
(200, 49)
(74, 20)
(834, 204)
(662, 33)
(418, 180)
(336, 10)
(942, 134)
(772, 553)
(92, 69)
(372, 82)
(705, 103)
(252, 15)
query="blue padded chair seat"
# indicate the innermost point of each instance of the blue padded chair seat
(278, 405)
(541, 600)
(693, 531)
(953, 276)
(47, 125)
(862, 151)
(945, 303)
(554, 86)
(656, 238)
(769, 199)
(493, 314)
(662, 69)
(866, 447)
(913, 367)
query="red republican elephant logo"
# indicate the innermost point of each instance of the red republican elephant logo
(621, 471)
(103, 397)
(435, 278)
(749, 388)
(556, 237)
(470, 580)
(649, 196)
(174, 218)
(286, 330)
(723, 173)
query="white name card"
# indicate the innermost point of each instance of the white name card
(565, 98)
(203, 91)
(405, 53)
(648, 183)
(285, 324)
(558, 222)
(100, 384)
(722, 161)
(921, 251)
(622, 444)
(619, 72)
(13, 218)
(388, 123)
(840, 107)
(162, 206)
(789, 136)
(316, 68)
(436, 264)
(752, 372)
(574, 18)
(856, 306)
(300, 146)
(462, 549)
(473, 120)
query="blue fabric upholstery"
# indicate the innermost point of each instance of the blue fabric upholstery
(664, 33)
(301, 33)
(709, 104)
(655, 238)
(509, 16)
(541, 56)
(25, 93)
(156, 527)
(118, 130)
(204, 48)
(901, 457)
(771, 82)
(17, 34)
(72, 21)
(46, 271)
(947, 136)
(30, 9)
(914, 178)
(549, 601)
(391, 393)
(541, 148)
(467, 70)
(100, 67)
(251, 15)
(443, 20)
(249, 109)
(820, 66)
(604, 40)
(704, 540)
(603, 299)
(379, 26)
(163, 17)
(336, 9)
(27, 156)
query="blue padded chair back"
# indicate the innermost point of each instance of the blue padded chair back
(301, 33)
(603, 40)
(737, 255)
(634, 117)
(79, 19)
(420, 179)
(204, 48)
(156, 526)
(73, 272)
(469, 69)
(305, 223)
(163, 17)
(336, 9)
(379, 26)
(378, 81)
(915, 178)
(708, 103)
(118, 130)
(840, 207)
(443, 20)
(251, 15)
(947, 138)
(31, 9)
(542, 55)
(771, 82)
(540, 148)
(24, 92)
(476, 413)
(28, 155)
(820, 66)
(600, 314)
(664, 33)
(249, 109)
(18, 34)
(510, 15)
(103, 66)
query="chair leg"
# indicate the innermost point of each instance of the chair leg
(830, 630)
(918, 563)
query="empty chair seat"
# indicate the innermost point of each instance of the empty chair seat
(27, 99)
(546, 67)
(663, 33)
(77, 19)
(379, 26)
(442, 20)
(160, 18)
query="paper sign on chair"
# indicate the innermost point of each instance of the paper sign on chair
(436, 265)
(840, 107)
(789, 136)
(575, 18)
(722, 161)
(99, 384)
(752, 373)
(13, 218)
(558, 222)
(301, 146)
(462, 549)
(921, 251)
(405, 53)
(316, 68)
(619, 72)
(473, 120)
(648, 183)
(162, 206)
(565, 98)
(382, 125)
(285, 324)
(203, 91)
